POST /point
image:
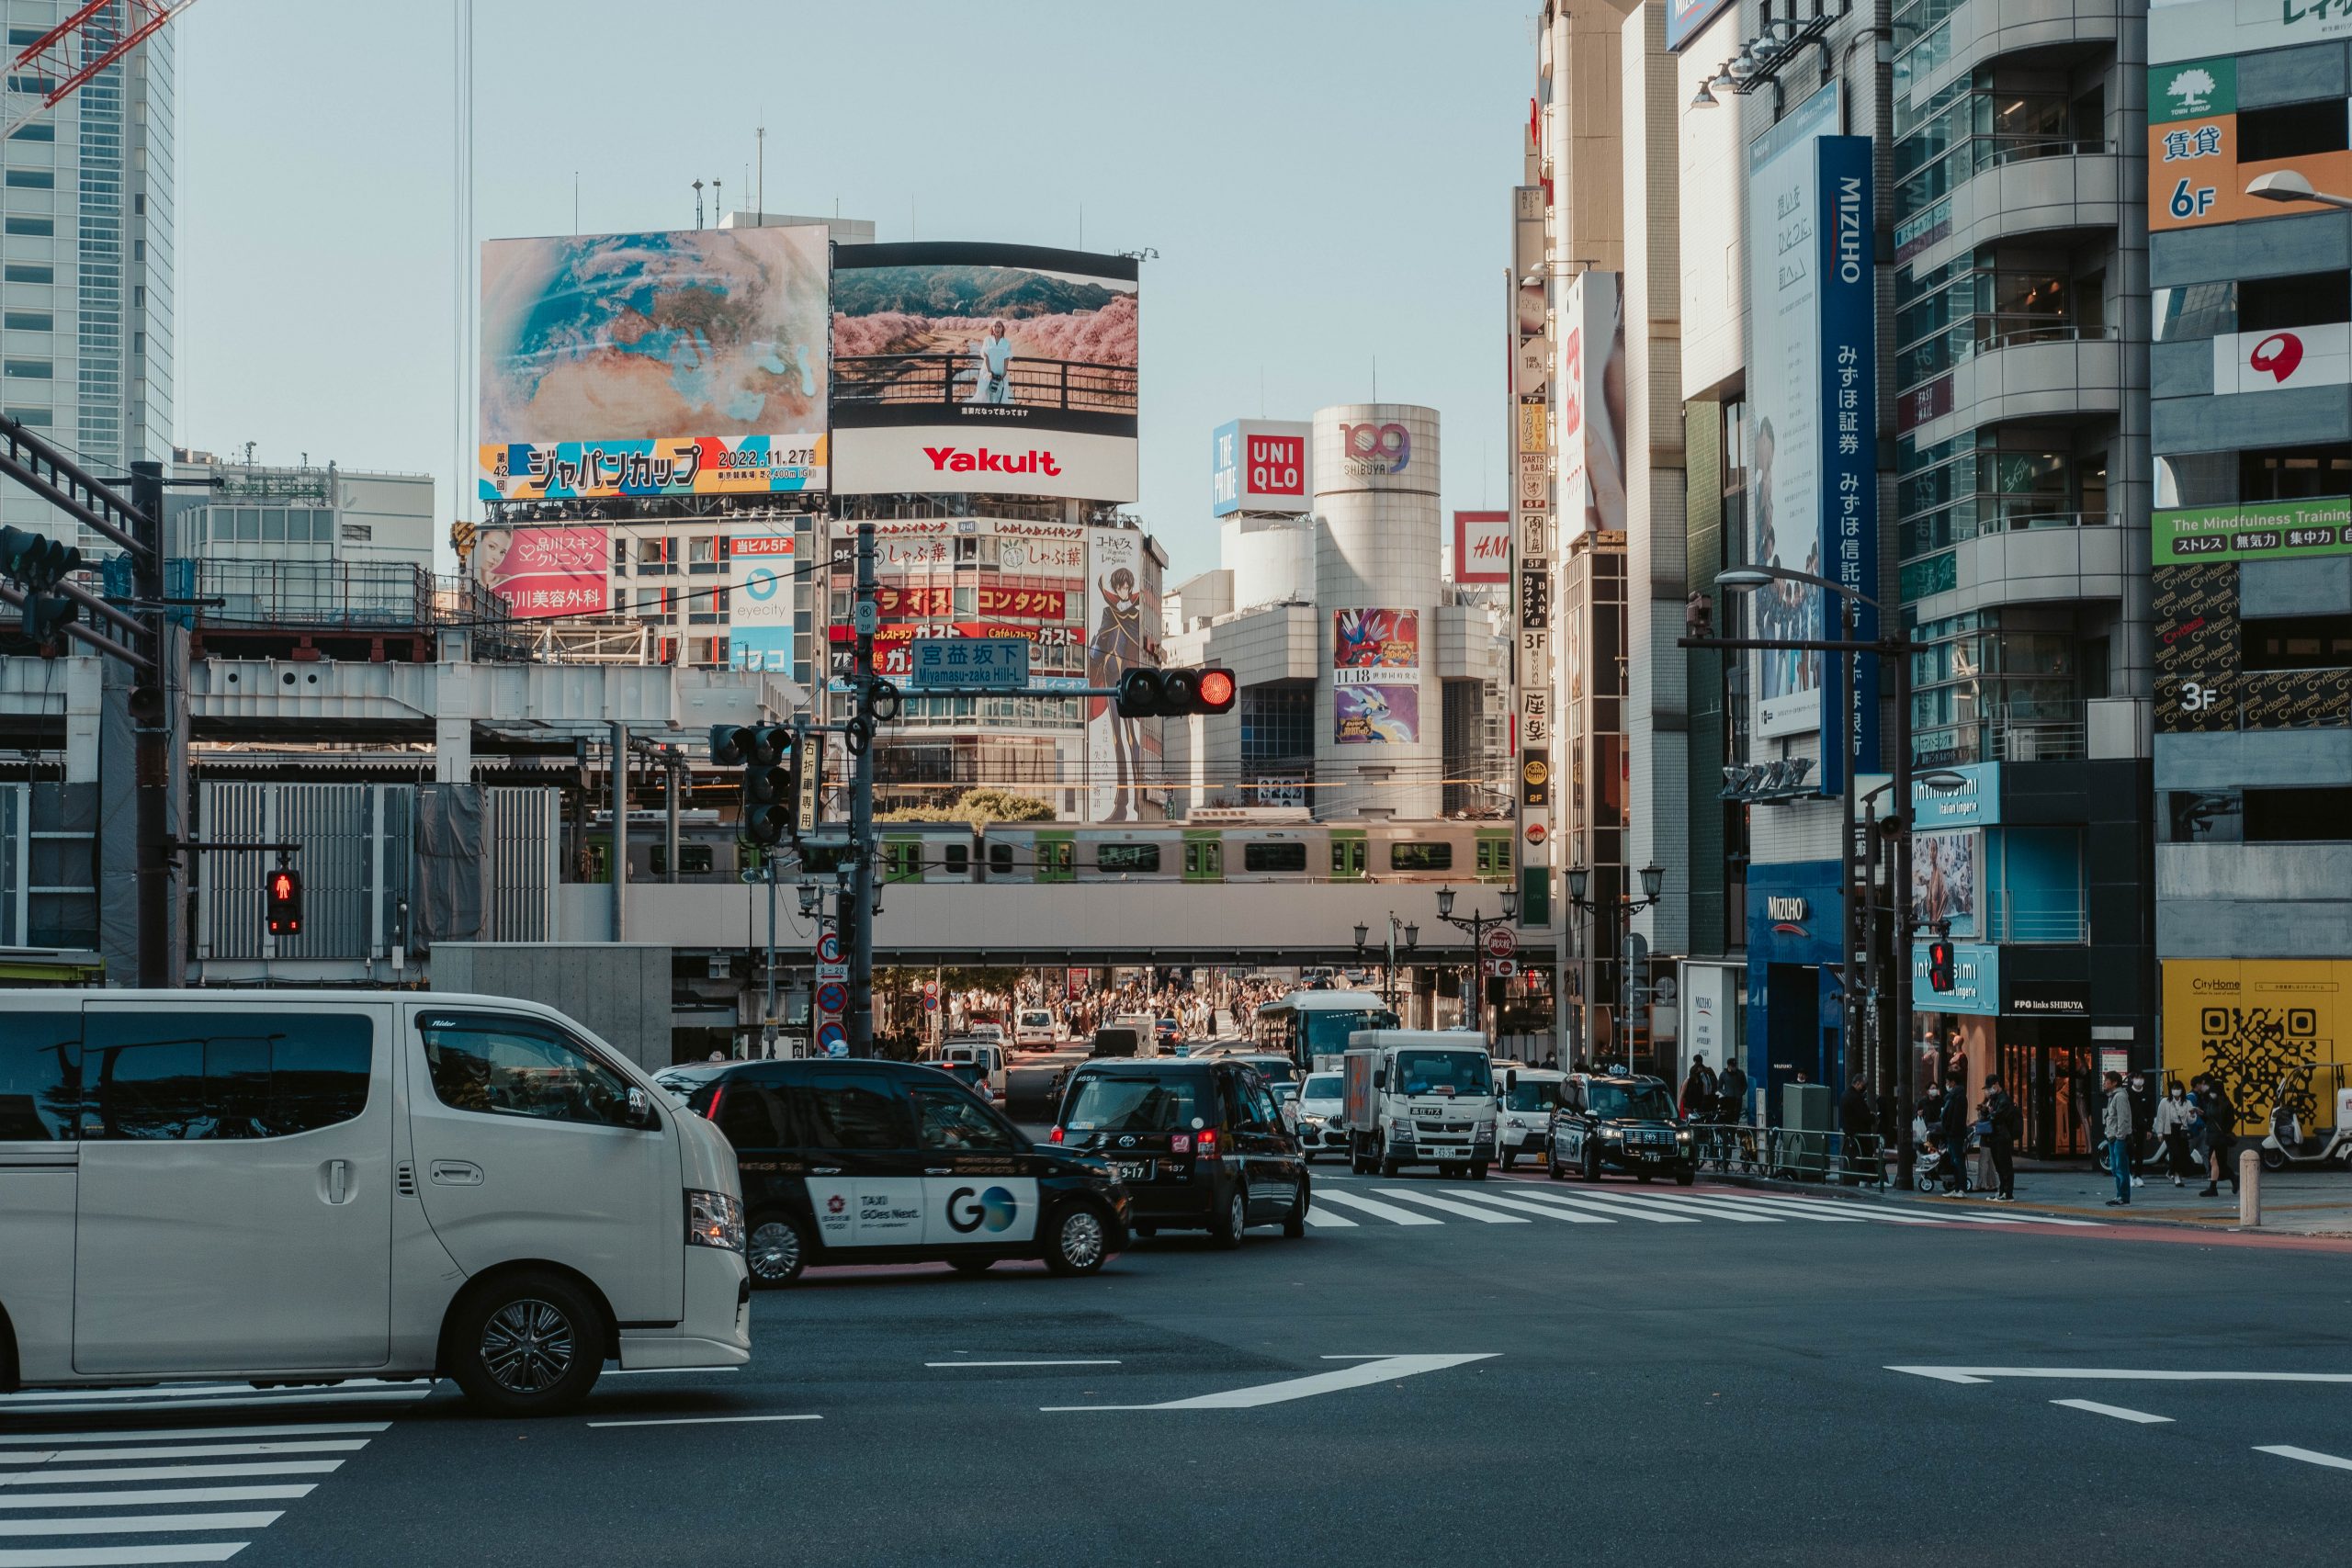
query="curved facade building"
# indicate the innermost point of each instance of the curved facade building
(1379, 708)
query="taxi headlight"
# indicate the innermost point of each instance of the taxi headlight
(713, 1219)
(1683, 1135)
(1612, 1134)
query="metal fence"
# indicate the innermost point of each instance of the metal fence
(956, 378)
(1785, 1153)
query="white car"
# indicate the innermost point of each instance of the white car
(992, 1032)
(1034, 1028)
(1525, 1113)
(1322, 1100)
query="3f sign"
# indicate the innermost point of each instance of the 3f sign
(2187, 203)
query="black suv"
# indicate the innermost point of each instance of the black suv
(885, 1162)
(1621, 1122)
(1199, 1144)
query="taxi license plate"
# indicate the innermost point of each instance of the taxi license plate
(1134, 1169)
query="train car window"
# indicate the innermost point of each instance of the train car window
(1126, 857)
(957, 859)
(902, 860)
(1421, 857)
(690, 858)
(1274, 857)
(1001, 860)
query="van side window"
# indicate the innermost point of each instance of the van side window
(41, 1075)
(843, 1111)
(518, 1066)
(945, 1120)
(188, 1076)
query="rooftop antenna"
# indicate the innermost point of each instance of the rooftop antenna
(718, 208)
(697, 203)
(760, 191)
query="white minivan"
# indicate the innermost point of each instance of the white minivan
(289, 1187)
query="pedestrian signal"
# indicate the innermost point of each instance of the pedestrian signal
(1939, 976)
(283, 893)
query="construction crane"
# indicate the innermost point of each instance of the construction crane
(96, 36)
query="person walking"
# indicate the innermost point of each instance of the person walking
(2115, 1121)
(1731, 1093)
(1951, 1127)
(2220, 1137)
(2171, 1125)
(1856, 1121)
(2001, 1125)
(1698, 1090)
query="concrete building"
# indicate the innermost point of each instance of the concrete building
(2252, 600)
(87, 194)
(268, 515)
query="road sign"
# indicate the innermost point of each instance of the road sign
(1501, 942)
(829, 948)
(832, 1040)
(1498, 968)
(996, 662)
(931, 988)
(931, 1004)
(832, 974)
(832, 997)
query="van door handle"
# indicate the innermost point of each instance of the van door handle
(825, 1169)
(455, 1173)
(338, 1175)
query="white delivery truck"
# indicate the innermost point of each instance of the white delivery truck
(293, 1186)
(1419, 1096)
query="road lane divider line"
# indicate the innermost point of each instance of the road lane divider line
(1069, 1363)
(1448, 1206)
(1549, 1210)
(1388, 1368)
(705, 1420)
(85, 1411)
(2114, 1374)
(2305, 1456)
(190, 1450)
(1794, 1209)
(164, 1495)
(1375, 1207)
(667, 1371)
(132, 1524)
(1703, 1208)
(305, 1430)
(2118, 1411)
(1607, 1204)
(122, 1556)
(173, 1473)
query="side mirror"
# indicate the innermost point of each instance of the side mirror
(1380, 1078)
(641, 1110)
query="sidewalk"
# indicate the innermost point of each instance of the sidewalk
(2294, 1203)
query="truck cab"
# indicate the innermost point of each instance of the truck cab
(1419, 1096)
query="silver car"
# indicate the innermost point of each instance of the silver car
(1322, 1104)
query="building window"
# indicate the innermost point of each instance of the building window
(33, 179)
(2295, 473)
(1277, 724)
(28, 369)
(23, 223)
(2303, 642)
(2298, 815)
(2291, 131)
(2311, 299)
(28, 272)
(29, 416)
(31, 321)
(37, 130)
(702, 553)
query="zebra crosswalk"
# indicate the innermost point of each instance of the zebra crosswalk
(1342, 1204)
(93, 1478)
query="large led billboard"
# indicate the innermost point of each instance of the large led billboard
(691, 362)
(1006, 369)
(545, 572)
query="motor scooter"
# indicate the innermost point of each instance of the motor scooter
(2285, 1145)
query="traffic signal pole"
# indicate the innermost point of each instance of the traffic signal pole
(857, 908)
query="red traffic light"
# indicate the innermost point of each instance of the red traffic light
(1216, 690)
(1939, 973)
(283, 893)
(1179, 692)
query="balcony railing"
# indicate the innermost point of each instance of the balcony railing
(2034, 921)
(956, 379)
(2000, 740)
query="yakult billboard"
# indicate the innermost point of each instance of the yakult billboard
(1258, 465)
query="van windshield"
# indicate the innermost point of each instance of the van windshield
(1104, 1104)
(1540, 1095)
(1444, 1072)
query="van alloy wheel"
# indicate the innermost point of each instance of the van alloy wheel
(527, 1346)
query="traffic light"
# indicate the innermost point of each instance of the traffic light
(769, 755)
(283, 893)
(1175, 694)
(36, 561)
(1939, 976)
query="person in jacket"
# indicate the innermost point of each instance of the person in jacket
(2220, 1137)
(2115, 1121)
(2001, 1123)
(1698, 1090)
(1731, 1094)
(1858, 1121)
(2171, 1127)
(1951, 1128)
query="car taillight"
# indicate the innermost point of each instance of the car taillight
(1180, 1143)
(1209, 1143)
(716, 1096)
(1058, 1134)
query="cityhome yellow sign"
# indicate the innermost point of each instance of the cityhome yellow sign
(2257, 1023)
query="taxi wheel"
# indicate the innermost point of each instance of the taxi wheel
(1552, 1165)
(1643, 1177)
(1294, 1226)
(1080, 1241)
(1592, 1162)
(776, 1248)
(1390, 1168)
(1686, 1176)
(1226, 1230)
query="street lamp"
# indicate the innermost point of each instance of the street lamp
(1624, 907)
(1477, 926)
(1898, 649)
(2286, 185)
(1388, 971)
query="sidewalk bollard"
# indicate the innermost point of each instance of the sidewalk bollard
(2249, 1190)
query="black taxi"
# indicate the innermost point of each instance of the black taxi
(1618, 1122)
(1201, 1143)
(853, 1161)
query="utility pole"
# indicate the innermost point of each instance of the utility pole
(617, 857)
(858, 887)
(150, 717)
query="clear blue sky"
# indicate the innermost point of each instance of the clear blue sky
(1325, 182)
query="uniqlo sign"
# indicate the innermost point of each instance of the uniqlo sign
(1258, 465)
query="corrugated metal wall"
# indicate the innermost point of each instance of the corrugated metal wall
(522, 836)
(46, 897)
(356, 861)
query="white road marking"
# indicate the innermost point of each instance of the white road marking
(1794, 1209)
(412, 1388)
(306, 1429)
(1336, 1221)
(706, 1420)
(1073, 1363)
(1858, 1211)
(1385, 1211)
(667, 1371)
(1703, 1208)
(132, 1524)
(201, 1451)
(2118, 1411)
(2308, 1456)
(173, 1473)
(120, 1556)
(178, 1407)
(1361, 1375)
(1447, 1205)
(167, 1495)
(2114, 1374)
(1549, 1210)
(1605, 1203)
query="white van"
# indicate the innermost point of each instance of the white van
(289, 1187)
(1034, 1029)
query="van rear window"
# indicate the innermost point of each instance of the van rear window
(1101, 1104)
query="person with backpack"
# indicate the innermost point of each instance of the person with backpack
(2001, 1125)
(1698, 1090)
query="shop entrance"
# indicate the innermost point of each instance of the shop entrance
(2057, 1088)
(1797, 1040)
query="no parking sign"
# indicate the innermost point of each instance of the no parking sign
(833, 1040)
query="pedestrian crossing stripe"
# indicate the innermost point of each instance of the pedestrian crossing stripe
(1354, 1206)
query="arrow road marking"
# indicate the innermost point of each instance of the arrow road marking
(2113, 1374)
(1386, 1368)
(2309, 1456)
(2120, 1414)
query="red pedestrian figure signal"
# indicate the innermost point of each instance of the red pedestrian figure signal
(285, 897)
(1940, 975)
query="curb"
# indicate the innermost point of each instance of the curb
(1864, 1194)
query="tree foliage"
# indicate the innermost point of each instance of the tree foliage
(988, 803)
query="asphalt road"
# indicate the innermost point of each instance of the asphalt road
(1658, 1379)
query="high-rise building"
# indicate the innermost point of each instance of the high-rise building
(86, 202)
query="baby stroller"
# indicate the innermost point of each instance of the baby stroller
(1938, 1171)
